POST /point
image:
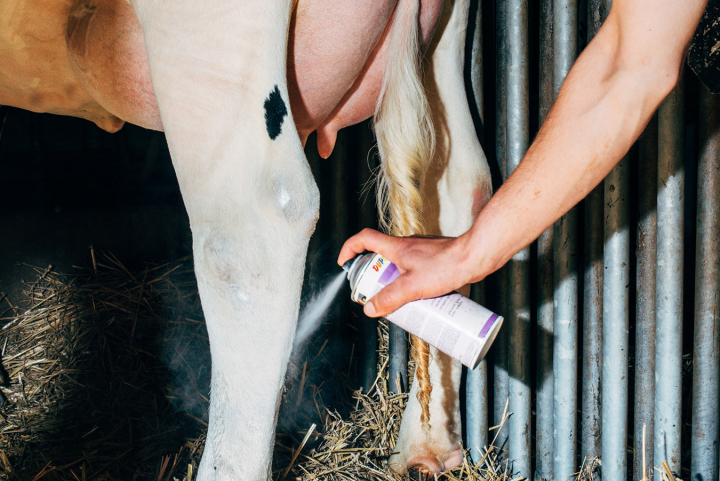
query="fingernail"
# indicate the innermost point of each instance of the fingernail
(369, 309)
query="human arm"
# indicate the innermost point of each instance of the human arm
(607, 99)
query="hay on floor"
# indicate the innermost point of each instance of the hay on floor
(87, 393)
(105, 376)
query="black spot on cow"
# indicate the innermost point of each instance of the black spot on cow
(275, 112)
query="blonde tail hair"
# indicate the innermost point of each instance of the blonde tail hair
(406, 141)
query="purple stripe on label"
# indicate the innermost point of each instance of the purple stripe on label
(488, 325)
(390, 274)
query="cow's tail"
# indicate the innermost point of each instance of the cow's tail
(406, 141)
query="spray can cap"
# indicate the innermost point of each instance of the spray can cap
(356, 267)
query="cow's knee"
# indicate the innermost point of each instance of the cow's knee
(294, 196)
(253, 249)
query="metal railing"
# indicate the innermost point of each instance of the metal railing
(600, 311)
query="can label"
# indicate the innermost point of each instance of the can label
(452, 323)
(379, 272)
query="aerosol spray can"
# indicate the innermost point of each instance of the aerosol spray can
(452, 323)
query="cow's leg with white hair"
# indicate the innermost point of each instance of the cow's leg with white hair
(218, 69)
(457, 187)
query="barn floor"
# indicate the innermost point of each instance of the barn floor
(105, 377)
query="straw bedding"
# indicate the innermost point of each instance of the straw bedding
(105, 376)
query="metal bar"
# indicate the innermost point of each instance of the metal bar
(591, 426)
(477, 83)
(544, 380)
(544, 397)
(398, 359)
(367, 217)
(518, 141)
(704, 451)
(565, 316)
(669, 281)
(616, 310)
(340, 176)
(398, 364)
(476, 395)
(500, 346)
(500, 364)
(644, 410)
(337, 164)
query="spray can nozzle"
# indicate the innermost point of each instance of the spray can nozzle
(352, 266)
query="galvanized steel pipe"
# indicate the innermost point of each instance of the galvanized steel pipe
(565, 347)
(518, 319)
(616, 319)
(615, 324)
(704, 465)
(565, 273)
(644, 409)
(616, 310)
(398, 362)
(477, 82)
(367, 217)
(398, 359)
(544, 374)
(669, 281)
(500, 365)
(476, 397)
(339, 204)
(500, 346)
(591, 425)
(476, 394)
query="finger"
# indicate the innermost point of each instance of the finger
(393, 297)
(365, 240)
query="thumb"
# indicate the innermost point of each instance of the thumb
(392, 297)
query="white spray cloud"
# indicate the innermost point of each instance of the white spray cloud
(314, 312)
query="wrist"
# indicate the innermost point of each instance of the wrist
(486, 245)
(474, 259)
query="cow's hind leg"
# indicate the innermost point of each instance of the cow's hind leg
(218, 69)
(457, 186)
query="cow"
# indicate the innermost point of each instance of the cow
(238, 86)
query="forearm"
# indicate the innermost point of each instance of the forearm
(602, 108)
(607, 99)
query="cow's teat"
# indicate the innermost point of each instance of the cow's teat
(326, 138)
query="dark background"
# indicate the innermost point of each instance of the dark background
(67, 185)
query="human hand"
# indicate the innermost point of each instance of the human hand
(429, 267)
